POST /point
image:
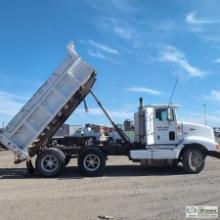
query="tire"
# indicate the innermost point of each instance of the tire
(92, 162)
(50, 162)
(193, 160)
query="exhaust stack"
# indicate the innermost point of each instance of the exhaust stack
(142, 126)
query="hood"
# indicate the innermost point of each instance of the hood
(196, 129)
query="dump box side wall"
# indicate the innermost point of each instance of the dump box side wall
(39, 94)
(46, 103)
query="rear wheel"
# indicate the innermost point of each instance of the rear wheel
(50, 162)
(92, 162)
(193, 160)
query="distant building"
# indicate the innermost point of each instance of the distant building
(67, 130)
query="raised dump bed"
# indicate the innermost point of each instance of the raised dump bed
(49, 107)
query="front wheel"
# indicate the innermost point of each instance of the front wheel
(92, 162)
(193, 160)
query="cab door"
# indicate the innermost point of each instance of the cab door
(165, 127)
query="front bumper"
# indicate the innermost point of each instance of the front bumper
(214, 154)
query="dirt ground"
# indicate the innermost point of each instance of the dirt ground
(127, 191)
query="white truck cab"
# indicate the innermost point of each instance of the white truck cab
(169, 140)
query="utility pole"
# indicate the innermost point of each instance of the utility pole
(204, 111)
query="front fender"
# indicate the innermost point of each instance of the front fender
(208, 144)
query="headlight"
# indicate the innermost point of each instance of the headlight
(218, 147)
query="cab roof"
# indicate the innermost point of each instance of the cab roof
(162, 105)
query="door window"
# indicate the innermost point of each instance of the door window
(162, 115)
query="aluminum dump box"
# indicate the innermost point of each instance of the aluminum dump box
(49, 107)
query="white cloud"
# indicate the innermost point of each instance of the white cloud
(96, 54)
(112, 113)
(204, 27)
(212, 37)
(122, 6)
(173, 55)
(214, 95)
(216, 60)
(10, 104)
(103, 47)
(119, 27)
(191, 19)
(101, 51)
(122, 32)
(168, 25)
(144, 90)
(198, 117)
(149, 59)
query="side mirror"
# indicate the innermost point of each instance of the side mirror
(169, 115)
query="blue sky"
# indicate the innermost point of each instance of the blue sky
(138, 48)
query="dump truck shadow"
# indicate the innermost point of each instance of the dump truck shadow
(127, 171)
(137, 170)
(72, 172)
(13, 173)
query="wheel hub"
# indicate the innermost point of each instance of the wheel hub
(196, 160)
(49, 163)
(91, 162)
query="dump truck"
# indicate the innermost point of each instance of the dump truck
(160, 138)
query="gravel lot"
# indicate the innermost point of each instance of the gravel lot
(127, 191)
